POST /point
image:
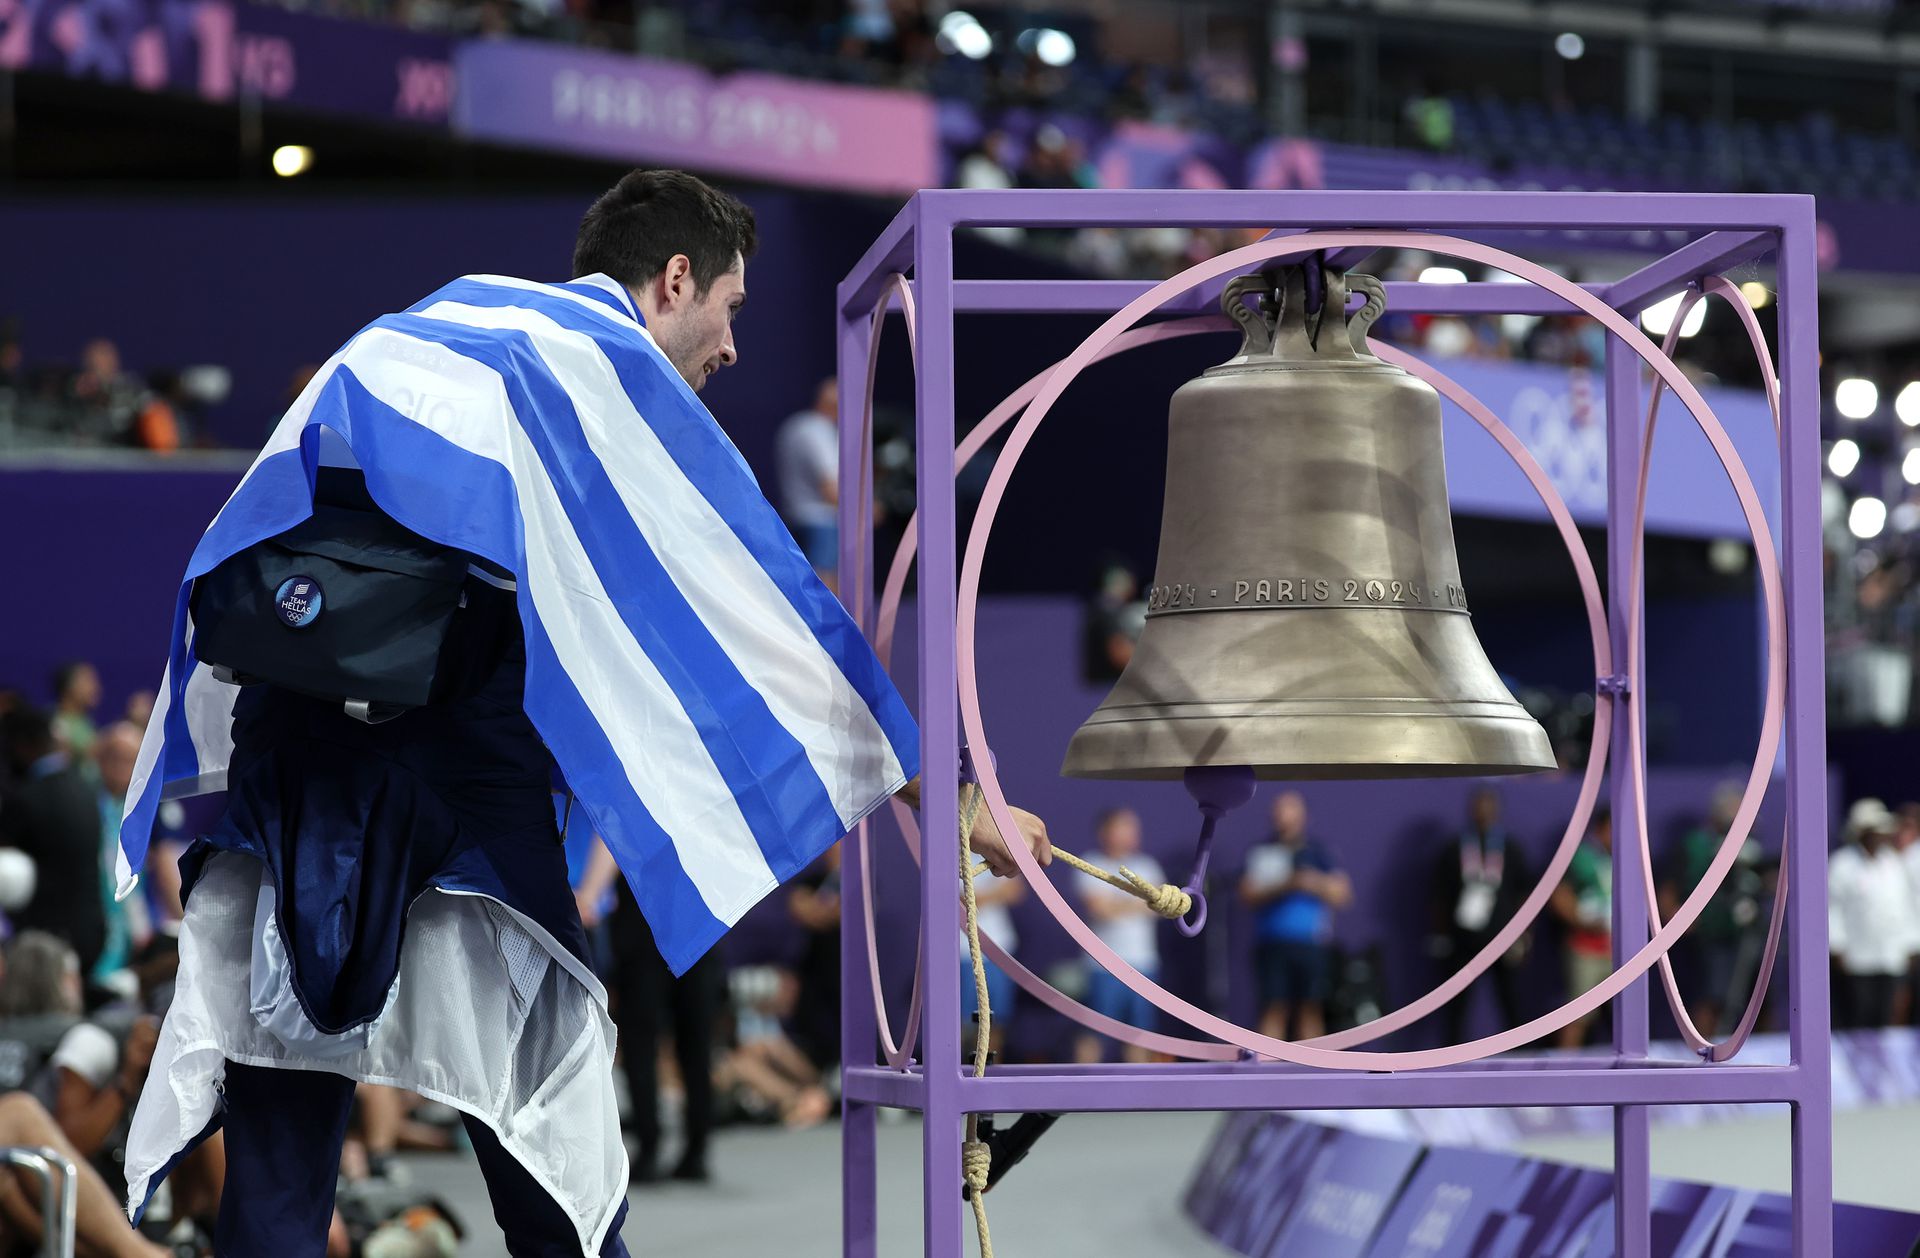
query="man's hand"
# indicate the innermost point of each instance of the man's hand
(986, 840)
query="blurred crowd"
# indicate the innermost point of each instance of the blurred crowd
(86, 975)
(97, 402)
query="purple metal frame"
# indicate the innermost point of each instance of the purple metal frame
(1732, 229)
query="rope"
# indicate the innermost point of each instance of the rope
(976, 1160)
(1167, 900)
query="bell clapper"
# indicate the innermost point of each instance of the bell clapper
(1218, 790)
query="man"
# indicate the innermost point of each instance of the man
(128, 927)
(1480, 880)
(1125, 924)
(1294, 890)
(807, 456)
(1584, 904)
(635, 617)
(76, 693)
(993, 901)
(1722, 963)
(52, 814)
(1871, 926)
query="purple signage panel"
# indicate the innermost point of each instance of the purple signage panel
(1273, 1185)
(1463, 1203)
(1560, 413)
(1273, 1189)
(382, 72)
(662, 112)
(215, 50)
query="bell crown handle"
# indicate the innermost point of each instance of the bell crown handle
(1363, 319)
(1257, 322)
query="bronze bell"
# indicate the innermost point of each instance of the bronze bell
(1307, 617)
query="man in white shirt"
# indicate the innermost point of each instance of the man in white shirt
(807, 463)
(1125, 924)
(1872, 925)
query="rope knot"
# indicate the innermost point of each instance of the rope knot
(1166, 899)
(976, 1164)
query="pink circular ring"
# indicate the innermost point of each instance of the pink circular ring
(1597, 754)
(989, 780)
(855, 586)
(1690, 1033)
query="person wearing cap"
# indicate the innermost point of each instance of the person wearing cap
(1872, 925)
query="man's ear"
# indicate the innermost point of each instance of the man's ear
(676, 282)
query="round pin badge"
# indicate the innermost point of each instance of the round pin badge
(298, 601)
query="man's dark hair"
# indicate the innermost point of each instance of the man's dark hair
(633, 231)
(1107, 816)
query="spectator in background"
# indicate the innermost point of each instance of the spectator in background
(994, 899)
(1584, 904)
(100, 1225)
(1294, 890)
(986, 165)
(807, 460)
(52, 814)
(139, 709)
(1907, 842)
(1125, 924)
(649, 998)
(76, 693)
(1872, 930)
(160, 423)
(1111, 621)
(105, 392)
(814, 903)
(1715, 941)
(127, 925)
(1478, 881)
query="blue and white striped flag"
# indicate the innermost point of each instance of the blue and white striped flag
(709, 701)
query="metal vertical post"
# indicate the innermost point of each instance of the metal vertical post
(1809, 1017)
(859, 1158)
(1632, 1134)
(939, 733)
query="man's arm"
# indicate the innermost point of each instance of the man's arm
(602, 869)
(986, 840)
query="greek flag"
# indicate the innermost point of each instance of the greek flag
(710, 703)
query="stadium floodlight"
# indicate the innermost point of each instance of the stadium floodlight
(1856, 397)
(1867, 518)
(1756, 293)
(1055, 48)
(1906, 404)
(1443, 275)
(1910, 466)
(1843, 457)
(292, 159)
(1569, 45)
(961, 32)
(1657, 319)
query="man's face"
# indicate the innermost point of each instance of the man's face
(1485, 810)
(1120, 837)
(116, 752)
(1290, 815)
(695, 329)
